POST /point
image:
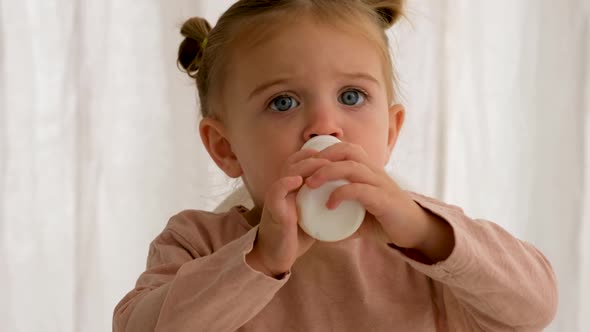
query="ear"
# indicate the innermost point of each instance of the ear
(214, 137)
(397, 115)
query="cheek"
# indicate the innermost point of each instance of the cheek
(378, 153)
(375, 141)
(262, 163)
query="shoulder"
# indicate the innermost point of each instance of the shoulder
(202, 232)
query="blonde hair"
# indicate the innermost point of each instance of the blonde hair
(205, 51)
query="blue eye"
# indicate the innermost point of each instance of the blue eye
(283, 103)
(352, 98)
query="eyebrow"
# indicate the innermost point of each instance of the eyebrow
(362, 76)
(266, 85)
(269, 84)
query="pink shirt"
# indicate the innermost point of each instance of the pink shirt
(197, 280)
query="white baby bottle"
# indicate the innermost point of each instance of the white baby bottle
(317, 220)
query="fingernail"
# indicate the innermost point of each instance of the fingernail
(332, 205)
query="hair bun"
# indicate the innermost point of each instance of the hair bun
(195, 30)
(390, 11)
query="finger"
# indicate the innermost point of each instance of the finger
(349, 170)
(276, 199)
(372, 198)
(306, 167)
(300, 155)
(345, 151)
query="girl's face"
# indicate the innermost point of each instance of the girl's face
(304, 79)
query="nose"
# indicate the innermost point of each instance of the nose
(322, 121)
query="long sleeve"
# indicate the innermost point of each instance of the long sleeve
(184, 287)
(197, 280)
(491, 281)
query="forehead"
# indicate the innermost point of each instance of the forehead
(306, 46)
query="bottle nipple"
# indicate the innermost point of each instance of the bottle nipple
(317, 220)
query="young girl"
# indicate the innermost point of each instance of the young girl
(271, 75)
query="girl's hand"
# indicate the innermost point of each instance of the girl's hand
(403, 221)
(280, 241)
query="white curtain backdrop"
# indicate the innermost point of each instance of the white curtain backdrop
(99, 142)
